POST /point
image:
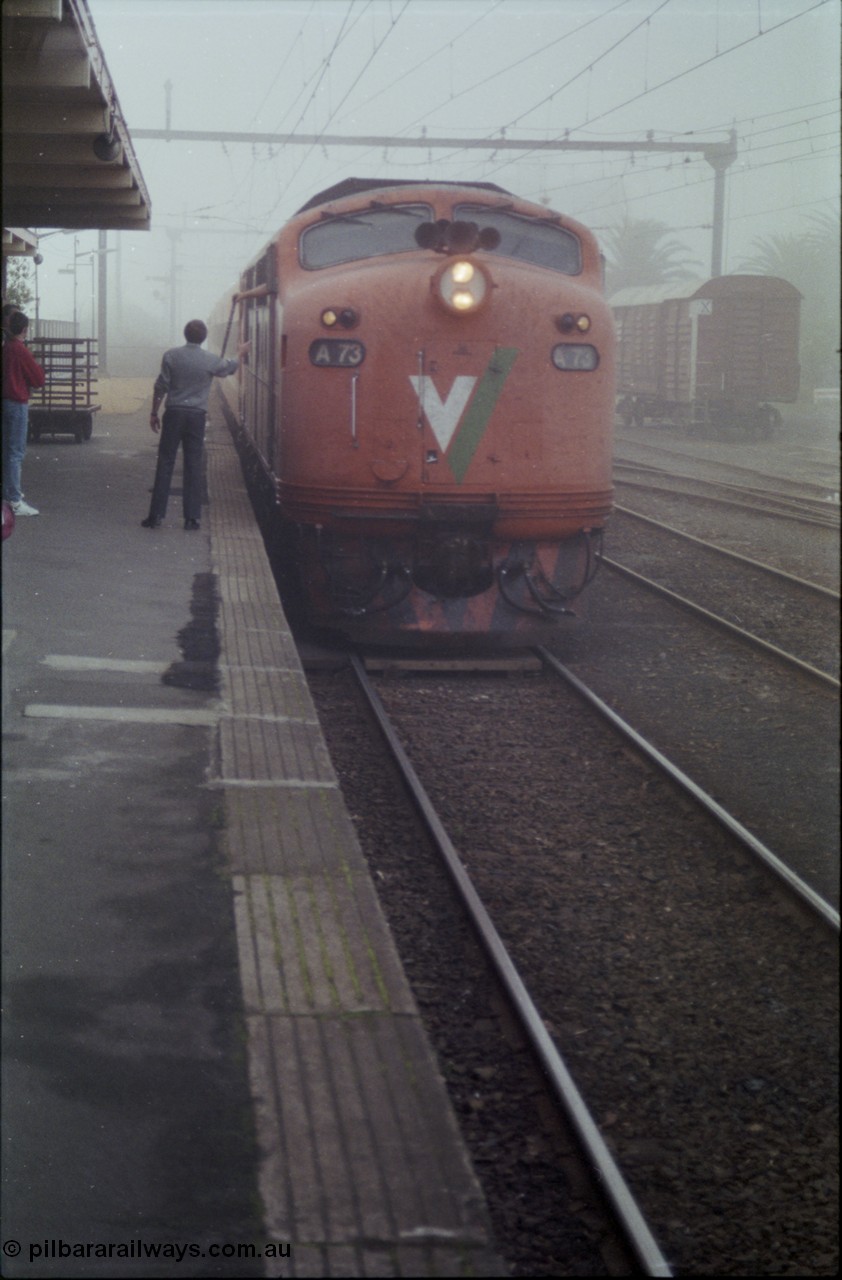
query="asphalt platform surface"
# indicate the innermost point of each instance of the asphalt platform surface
(126, 1110)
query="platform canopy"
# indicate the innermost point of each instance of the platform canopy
(68, 160)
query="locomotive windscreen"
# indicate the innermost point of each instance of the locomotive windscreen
(366, 234)
(528, 239)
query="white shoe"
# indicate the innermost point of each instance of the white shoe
(23, 509)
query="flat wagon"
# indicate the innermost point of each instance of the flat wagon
(716, 356)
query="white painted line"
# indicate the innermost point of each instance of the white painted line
(272, 782)
(121, 715)
(270, 719)
(67, 662)
(281, 671)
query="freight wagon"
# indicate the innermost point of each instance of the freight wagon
(717, 356)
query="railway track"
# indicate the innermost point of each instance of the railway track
(631, 1223)
(609, 916)
(820, 481)
(761, 737)
(808, 553)
(766, 856)
(791, 619)
(805, 510)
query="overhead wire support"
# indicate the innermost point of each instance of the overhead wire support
(720, 155)
(425, 140)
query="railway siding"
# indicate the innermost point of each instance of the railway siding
(776, 610)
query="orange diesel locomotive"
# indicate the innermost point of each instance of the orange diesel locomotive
(430, 395)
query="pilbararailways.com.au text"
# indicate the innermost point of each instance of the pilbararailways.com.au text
(142, 1249)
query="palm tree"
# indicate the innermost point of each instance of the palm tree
(639, 253)
(810, 261)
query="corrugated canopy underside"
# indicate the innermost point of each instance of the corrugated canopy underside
(58, 99)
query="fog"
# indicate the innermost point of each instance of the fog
(590, 70)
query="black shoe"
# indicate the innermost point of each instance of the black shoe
(192, 524)
(151, 522)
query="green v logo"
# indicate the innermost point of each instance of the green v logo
(457, 429)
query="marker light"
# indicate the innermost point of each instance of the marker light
(333, 316)
(462, 286)
(568, 322)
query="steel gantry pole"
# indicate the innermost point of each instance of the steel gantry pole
(720, 161)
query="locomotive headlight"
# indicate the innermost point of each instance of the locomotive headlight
(330, 318)
(462, 286)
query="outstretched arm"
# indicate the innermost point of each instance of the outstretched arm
(154, 422)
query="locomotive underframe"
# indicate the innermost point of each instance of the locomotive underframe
(352, 576)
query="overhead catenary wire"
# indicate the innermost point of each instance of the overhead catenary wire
(410, 71)
(669, 80)
(642, 171)
(354, 15)
(502, 71)
(377, 49)
(519, 62)
(503, 129)
(705, 180)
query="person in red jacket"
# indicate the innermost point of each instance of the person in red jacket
(21, 372)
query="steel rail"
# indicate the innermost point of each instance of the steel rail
(714, 619)
(731, 555)
(768, 510)
(821, 490)
(609, 1178)
(799, 887)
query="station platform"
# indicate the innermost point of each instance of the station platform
(212, 1061)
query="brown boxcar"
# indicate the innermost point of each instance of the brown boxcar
(719, 354)
(430, 397)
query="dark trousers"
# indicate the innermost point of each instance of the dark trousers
(185, 427)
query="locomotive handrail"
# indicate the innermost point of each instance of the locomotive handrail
(259, 291)
(354, 380)
(228, 326)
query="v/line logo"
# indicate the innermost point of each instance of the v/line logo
(443, 415)
(459, 421)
